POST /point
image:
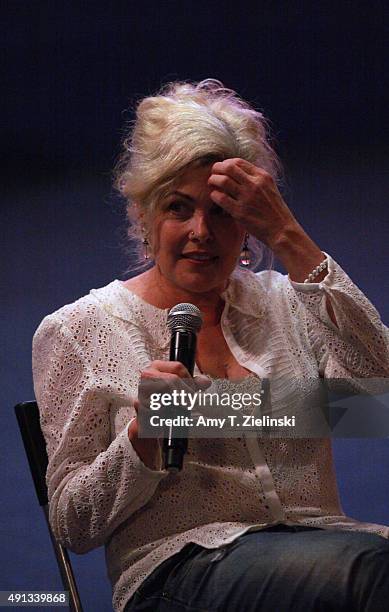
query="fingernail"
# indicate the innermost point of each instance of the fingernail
(202, 379)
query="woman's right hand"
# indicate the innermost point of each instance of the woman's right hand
(166, 376)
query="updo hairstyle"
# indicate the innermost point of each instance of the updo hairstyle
(185, 123)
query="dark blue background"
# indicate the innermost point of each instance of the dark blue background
(318, 70)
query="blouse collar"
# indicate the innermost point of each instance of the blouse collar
(246, 292)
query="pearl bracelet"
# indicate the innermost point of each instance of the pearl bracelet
(316, 271)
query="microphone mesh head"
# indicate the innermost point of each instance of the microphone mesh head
(184, 316)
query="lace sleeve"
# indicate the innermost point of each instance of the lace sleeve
(359, 346)
(94, 483)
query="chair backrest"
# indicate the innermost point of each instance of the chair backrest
(27, 414)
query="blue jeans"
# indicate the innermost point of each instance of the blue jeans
(279, 569)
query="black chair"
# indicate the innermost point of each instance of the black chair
(27, 414)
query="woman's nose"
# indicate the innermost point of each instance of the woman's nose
(200, 227)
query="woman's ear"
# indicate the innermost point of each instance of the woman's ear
(141, 218)
(138, 212)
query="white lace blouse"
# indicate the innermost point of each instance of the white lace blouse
(87, 359)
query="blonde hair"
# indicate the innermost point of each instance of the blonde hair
(182, 124)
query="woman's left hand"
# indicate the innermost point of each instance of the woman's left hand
(250, 195)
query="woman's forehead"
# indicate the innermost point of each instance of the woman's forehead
(194, 177)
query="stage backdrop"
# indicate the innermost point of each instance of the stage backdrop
(73, 68)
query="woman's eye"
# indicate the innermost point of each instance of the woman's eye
(219, 211)
(178, 208)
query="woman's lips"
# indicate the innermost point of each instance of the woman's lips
(199, 258)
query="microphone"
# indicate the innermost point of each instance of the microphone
(184, 321)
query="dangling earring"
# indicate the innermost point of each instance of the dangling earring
(245, 257)
(146, 244)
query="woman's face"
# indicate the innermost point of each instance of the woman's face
(196, 243)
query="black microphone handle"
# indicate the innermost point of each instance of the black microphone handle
(182, 349)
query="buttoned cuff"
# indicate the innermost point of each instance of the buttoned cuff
(315, 287)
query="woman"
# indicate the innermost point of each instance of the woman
(249, 523)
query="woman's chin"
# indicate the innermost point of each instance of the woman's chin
(197, 283)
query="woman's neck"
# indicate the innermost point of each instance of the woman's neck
(161, 293)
